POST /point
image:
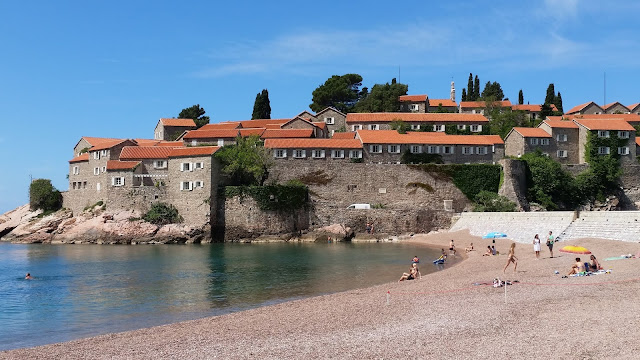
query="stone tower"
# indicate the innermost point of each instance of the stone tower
(453, 92)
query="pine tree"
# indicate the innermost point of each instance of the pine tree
(470, 91)
(520, 97)
(464, 94)
(558, 102)
(262, 106)
(476, 89)
(551, 95)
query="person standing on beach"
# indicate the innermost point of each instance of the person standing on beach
(550, 241)
(536, 246)
(511, 258)
(452, 248)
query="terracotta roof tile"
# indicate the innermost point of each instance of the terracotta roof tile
(638, 141)
(108, 144)
(249, 132)
(178, 122)
(393, 137)
(608, 106)
(80, 158)
(95, 141)
(170, 144)
(415, 117)
(272, 126)
(562, 124)
(145, 152)
(221, 126)
(611, 124)
(260, 123)
(344, 135)
(580, 107)
(121, 165)
(444, 102)
(631, 118)
(312, 144)
(320, 124)
(288, 133)
(532, 132)
(212, 134)
(633, 106)
(193, 151)
(482, 104)
(412, 98)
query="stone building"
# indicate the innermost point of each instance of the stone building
(333, 118)
(479, 107)
(414, 103)
(616, 108)
(586, 108)
(564, 144)
(446, 105)
(315, 149)
(171, 129)
(319, 128)
(607, 129)
(532, 111)
(430, 121)
(634, 108)
(521, 140)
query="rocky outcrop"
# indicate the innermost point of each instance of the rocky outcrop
(94, 226)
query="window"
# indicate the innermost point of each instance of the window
(194, 142)
(561, 137)
(415, 107)
(199, 165)
(96, 171)
(329, 120)
(375, 148)
(603, 150)
(544, 142)
(562, 153)
(533, 141)
(447, 149)
(104, 168)
(415, 126)
(416, 149)
(220, 142)
(394, 149)
(84, 184)
(104, 152)
(374, 127)
(623, 134)
(186, 186)
(603, 133)
(198, 184)
(476, 128)
(76, 170)
(623, 150)
(337, 154)
(431, 149)
(481, 150)
(186, 167)
(317, 154)
(117, 181)
(356, 127)
(280, 153)
(438, 128)
(298, 154)
(97, 186)
(96, 155)
(467, 150)
(462, 127)
(160, 164)
(355, 154)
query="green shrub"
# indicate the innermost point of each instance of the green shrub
(378, 206)
(470, 179)
(162, 214)
(548, 184)
(43, 196)
(486, 201)
(422, 158)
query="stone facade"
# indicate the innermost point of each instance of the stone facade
(192, 187)
(414, 106)
(169, 133)
(335, 120)
(454, 154)
(563, 140)
(617, 108)
(514, 184)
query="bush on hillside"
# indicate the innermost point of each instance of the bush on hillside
(162, 214)
(487, 201)
(43, 196)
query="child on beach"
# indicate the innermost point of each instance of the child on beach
(511, 258)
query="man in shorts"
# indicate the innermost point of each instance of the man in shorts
(550, 241)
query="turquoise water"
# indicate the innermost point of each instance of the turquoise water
(87, 290)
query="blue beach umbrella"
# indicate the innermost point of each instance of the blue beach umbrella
(494, 235)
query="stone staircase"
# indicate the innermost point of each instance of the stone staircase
(614, 225)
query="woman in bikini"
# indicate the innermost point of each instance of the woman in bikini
(511, 258)
(413, 273)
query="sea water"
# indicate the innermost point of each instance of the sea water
(86, 290)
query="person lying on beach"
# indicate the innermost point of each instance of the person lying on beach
(489, 252)
(469, 248)
(594, 265)
(511, 258)
(577, 268)
(413, 273)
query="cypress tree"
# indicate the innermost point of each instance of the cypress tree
(464, 94)
(520, 97)
(558, 102)
(262, 106)
(551, 95)
(476, 89)
(470, 91)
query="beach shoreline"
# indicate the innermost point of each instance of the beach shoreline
(444, 313)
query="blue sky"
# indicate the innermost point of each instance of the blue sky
(82, 68)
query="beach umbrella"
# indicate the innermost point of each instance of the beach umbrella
(493, 235)
(575, 250)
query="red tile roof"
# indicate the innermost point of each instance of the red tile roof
(121, 165)
(178, 122)
(212, 134)
(633, 106)
(170, 144)
(95, 141)
(249, 132)
(606, 107)
(288, 133)
(272, 126)
(562, 124)
(632, 118)
(638, 141)
(260, 123)
(150, 142)
(444, 102)
(224, 125)
(312, 143)
(611, 124)
(344, 135)
(320, 124)
(108, 144)
(393, 137)
(416, 117)
(531, 108)
(580, 107)
(412, 98)
(193, 151)
(145, 152)
(80, 158)
(532, 132)
(482, 104)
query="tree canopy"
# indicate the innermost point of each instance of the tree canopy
(340, 92)
(43, 196)
(520, 97)
(196, 113)
(262, 106)
(246, 162)
(382, 98)
(493, 90)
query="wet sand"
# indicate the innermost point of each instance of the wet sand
(442, 315)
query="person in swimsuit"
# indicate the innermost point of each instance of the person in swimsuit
(511, 258)
(489, 252)
(577, 268)
(28, 276)
(452, 248)
(536, 246)
(414, 273)
(595, 265)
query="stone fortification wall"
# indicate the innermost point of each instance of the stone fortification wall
(514, 184)
(138, 199)
(630, 183)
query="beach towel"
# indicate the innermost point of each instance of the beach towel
(589, 273)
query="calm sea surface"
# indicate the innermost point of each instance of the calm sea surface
(87, 290)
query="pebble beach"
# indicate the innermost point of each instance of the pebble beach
(447, 314)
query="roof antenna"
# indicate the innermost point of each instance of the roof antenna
(605, 89)
(399, 82)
